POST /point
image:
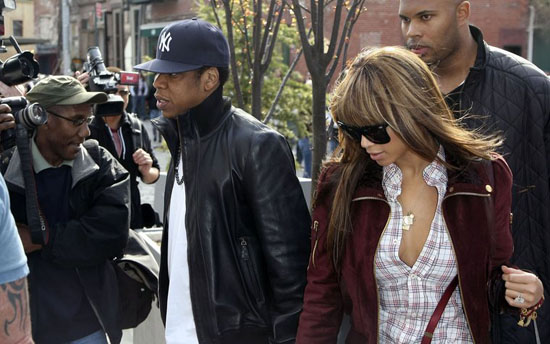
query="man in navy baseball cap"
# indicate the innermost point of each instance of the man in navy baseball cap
(234, 226)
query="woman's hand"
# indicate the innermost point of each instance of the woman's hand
(521, 286)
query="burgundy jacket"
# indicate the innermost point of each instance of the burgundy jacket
(476, 209)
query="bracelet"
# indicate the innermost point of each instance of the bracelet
(529, 313)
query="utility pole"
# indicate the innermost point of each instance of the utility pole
(531, 33)
(65, 29)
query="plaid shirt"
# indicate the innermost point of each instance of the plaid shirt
(409, 296)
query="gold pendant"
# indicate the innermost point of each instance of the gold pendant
(408, 221)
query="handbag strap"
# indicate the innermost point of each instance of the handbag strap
(428, 334)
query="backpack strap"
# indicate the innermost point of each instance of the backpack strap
(137, 137)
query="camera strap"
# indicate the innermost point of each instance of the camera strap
(35, 219)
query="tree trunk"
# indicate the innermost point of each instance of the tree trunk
(319, 86)
(257, 85)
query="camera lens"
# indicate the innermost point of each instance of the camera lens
(26, 68)
(33, 116)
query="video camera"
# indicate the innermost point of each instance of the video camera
(20, 68)
(101, 80)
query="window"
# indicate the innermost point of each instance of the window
(18, 28)
(515, 49)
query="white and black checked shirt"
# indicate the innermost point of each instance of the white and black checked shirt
(409, 296)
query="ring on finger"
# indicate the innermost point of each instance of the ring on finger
(519, 299)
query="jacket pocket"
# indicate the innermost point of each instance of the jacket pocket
(248, 259)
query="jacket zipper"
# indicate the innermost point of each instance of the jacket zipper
(316, 229)
(454, 253)
(250, 271)
(374, 260)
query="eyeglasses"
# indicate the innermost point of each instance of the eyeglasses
(123, 92)
(77, 122)
(374, 133)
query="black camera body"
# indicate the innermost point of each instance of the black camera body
(29, 116)
(17, 69)
(102, 80)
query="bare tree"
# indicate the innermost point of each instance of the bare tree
(322, 55)
(260, 36)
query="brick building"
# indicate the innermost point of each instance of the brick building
(504, 24)
(127, 30)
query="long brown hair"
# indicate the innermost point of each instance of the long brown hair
(392, 85)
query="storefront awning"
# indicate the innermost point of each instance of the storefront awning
(24, 40)
(152, 29)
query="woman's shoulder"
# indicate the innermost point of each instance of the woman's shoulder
(496, 170)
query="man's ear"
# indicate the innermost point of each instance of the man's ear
(463, 13)
(211, 79)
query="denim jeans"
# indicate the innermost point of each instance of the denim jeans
(97, 337)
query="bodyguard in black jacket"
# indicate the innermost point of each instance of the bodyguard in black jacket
(500, 92)
(246, 220)
(509, 94)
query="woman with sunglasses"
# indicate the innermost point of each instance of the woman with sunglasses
(412, 214)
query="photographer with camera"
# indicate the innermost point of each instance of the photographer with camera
(122, 133)
(83, 199)
(126, 138)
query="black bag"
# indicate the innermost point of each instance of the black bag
(137, 277)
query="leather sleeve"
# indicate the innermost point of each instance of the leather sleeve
(99, 231)
(323, 308)
(282, 221)
(503, 246)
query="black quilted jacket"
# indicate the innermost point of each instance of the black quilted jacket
(506, 93)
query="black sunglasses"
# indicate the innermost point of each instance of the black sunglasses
(77, 122)
(374, 133)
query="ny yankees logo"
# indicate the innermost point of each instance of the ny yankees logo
(165, 40)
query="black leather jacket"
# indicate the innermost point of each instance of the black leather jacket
(247, 225)
(506, 93)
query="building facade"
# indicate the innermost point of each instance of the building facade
(127, 30)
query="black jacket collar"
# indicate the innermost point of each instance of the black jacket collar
(482, 57)
(210, 113)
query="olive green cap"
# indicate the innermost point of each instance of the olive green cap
(63, 90)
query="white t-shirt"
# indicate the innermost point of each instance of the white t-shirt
(180, 325)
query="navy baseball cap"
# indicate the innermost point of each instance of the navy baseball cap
(188, 45)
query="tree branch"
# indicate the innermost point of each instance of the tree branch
(268, 53)
(351, 19)
(245, 35)
(282, 86)
(231, 42)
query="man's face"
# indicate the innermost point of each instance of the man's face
(178, 92)
(430, 28)
(61, 139)
(124, 92)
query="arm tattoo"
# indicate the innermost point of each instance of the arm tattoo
(14, 309)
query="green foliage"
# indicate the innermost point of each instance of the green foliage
(542, 14)
(293, 110)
